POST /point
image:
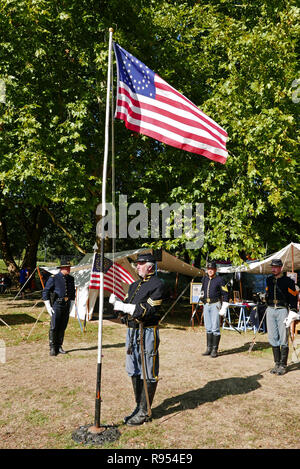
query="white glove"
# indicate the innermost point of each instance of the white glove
(128, 308)
(112, 299)
(223, 310)
(125, 307)
(118, 306)
(49, 307)
(293, 316)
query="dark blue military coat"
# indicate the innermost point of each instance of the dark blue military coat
(214, 289)
(62, 286)
(147, 295)
(281, 291)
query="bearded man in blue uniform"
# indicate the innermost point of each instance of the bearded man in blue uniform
(141, 305)
(59, 297)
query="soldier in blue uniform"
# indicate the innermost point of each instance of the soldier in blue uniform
(142, 305)
(59, 296)
(281, 296)
(215, 297)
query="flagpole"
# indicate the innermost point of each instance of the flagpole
(113, 179)
(96, 427)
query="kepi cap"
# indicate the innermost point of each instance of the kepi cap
(211, 265)
(145, 258)
(64, 264)
(276, 263)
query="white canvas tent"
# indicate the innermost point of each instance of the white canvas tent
(290, 256)
(86, 297)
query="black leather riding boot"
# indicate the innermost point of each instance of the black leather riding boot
(137, 385)
(216, 341)
(276, 355)
(52, 343)
(142, 415)
(60, 339)
(283, 360)
(209, 344)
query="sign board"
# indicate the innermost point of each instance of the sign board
(195, 292)
(292, 275)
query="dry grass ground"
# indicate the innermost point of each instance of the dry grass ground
(227, 403)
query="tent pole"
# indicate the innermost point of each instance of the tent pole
(76, 311)
(241, 290)
(176, 285)
(41, 278)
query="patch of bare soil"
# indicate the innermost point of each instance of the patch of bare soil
(231, 401)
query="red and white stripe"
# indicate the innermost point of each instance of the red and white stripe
(112, 280)
(173, 119)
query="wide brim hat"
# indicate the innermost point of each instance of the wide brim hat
(276, 263)
(64, 264)
(145, 258)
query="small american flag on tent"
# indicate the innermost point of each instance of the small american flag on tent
(114, 276)
(150, 106)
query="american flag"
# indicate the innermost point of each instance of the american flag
(114, 275)
(150, 106)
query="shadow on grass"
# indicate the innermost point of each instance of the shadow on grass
(211, 392)
(13, 319)
(293, 367)
(244, 348)
(95, 347)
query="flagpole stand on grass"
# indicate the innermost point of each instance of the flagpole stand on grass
(98, 434)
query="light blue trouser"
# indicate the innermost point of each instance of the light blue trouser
(277, 331)
(212, 318)
(151, 344)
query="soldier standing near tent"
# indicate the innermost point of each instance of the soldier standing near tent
(281, 295)
(140, 312)
(59, 296)
(214, 292)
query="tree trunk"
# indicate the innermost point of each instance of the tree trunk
(5, 248)
(33, 232)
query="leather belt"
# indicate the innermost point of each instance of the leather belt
(276, 305)
(145, 327)
(211, 300)
(61, 300)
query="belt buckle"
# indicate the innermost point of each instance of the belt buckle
(66, 298)
(207, 300)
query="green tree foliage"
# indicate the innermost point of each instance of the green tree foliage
(237, 63)
(51, 139)
(235, 60)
